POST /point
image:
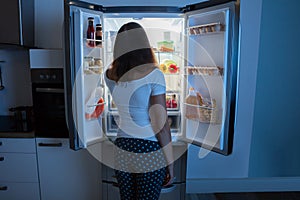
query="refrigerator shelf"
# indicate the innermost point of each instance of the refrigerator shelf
(207, 33)
(173, 112)
(171, 74)
(166, 52)
(93, 71)
(198, 106)
(97, 104)
(204, 70)
(87, 41)
(203, 114)
(210, 28)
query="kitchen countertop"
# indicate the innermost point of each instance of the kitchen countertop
(10, 129)
(17, 134)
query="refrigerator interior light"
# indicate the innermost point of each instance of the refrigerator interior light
(137, 18)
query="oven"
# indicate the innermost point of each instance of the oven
(49, 103)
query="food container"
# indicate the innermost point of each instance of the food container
(98, 62)
(208, 29)
(219, 27)
(191, 31)
(88, 61)
(165, 46)
(206, 113)
(197, 30)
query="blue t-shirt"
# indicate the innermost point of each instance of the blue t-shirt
(132, 99)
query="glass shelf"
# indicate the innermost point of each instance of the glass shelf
(204, 70)
(93, 43)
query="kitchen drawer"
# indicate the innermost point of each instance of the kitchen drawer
(17, 145)
(17, 191)
(18, 167)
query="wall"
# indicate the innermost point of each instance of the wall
(16, 79)
(236, 164)
(275, 140)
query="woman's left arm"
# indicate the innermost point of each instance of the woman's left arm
(160, 125)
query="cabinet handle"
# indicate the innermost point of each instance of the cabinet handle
(0, 143)
(59, 144)
(1, 158)
(3, 188)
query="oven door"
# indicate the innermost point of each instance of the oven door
(49, 110)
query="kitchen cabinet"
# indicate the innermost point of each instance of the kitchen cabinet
(18, 169)
(48, 24)
(16, 22)
(66, 174)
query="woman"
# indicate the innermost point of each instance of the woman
(144, 159)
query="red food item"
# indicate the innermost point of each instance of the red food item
(172, 103)
(98, 110)
(173, 69)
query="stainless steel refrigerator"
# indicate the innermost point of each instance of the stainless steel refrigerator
(196, 48)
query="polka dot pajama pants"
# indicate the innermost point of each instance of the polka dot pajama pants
(140, 168)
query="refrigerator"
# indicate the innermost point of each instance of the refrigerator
(196, 48)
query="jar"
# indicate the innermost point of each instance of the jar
(98, 34)
(88, 61)
(98, 62)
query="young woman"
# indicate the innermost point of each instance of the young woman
(144, 158)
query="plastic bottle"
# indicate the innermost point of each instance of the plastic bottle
(193, 101)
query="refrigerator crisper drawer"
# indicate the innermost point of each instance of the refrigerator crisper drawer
(112, 127)
(174, 191)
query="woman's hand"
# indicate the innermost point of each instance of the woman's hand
(169, 176)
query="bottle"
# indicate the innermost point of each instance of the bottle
(98, 34)
(90, 34)
(193, 101)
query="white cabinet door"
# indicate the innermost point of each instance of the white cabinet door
(18, 167)
(17, 145)
(17, 191)
(66, 174)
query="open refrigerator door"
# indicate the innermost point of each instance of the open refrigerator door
(85, 86)
(210, 75)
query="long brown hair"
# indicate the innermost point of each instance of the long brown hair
(131, 49)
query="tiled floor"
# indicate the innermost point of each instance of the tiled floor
(246, 196)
